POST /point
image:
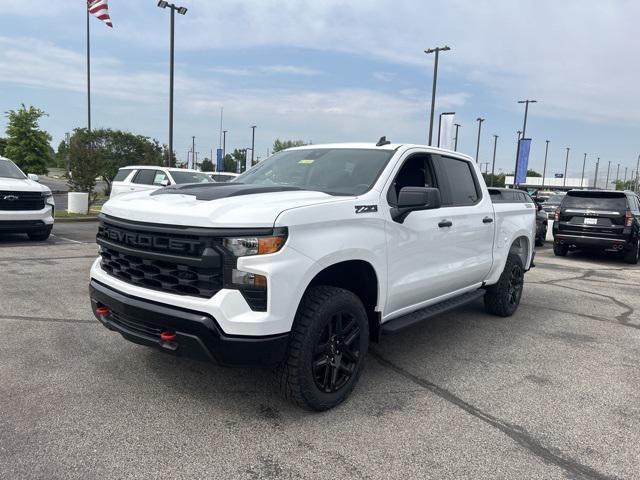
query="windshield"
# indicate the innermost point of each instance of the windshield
(190, 177)
(555, 199)
(8, 169)
(336, 171)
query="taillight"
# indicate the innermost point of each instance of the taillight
(628, 219)
(557, 215)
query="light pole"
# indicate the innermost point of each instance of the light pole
(181, 11)
(624, 182)
(455, 146)
(566, 164)
(595, 178)
(524, 130)
(584, 162)
(193, 150)
(606, 185)
(479, 120)
(519, 134)
(437, 51)
(544, 169)
(493, 164)
(617, 176)
(637, 168)
(224, 144)
(253, 142)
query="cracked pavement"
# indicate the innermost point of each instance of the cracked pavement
(550, 393)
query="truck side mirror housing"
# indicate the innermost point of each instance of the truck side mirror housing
(413, 199)
(33, 176)
(164, 182)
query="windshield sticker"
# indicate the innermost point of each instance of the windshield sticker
(305, 162)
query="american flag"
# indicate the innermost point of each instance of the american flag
(100, 10)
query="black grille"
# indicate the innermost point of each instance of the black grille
(162, 275)
(21, 201)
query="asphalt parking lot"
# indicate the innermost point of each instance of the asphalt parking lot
(552, 392)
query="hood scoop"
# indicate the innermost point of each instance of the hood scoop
(215, 191)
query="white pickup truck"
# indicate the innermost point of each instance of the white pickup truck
(308, 257)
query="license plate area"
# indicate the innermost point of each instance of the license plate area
(590, 221)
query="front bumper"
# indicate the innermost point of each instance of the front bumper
(23, 221)
(197, 334)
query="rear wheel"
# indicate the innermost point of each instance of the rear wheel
(503, 298)
(541, 237)
(560, 250)
(633, 254)
(327, 349)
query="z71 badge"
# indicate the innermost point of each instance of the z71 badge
(366, 208)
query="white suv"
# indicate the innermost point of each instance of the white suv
(149, 177)
(25, 205)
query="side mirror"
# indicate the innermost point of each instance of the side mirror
(164, 182)
(33, 176)
(413, 199)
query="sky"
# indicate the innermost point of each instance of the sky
(335, 71)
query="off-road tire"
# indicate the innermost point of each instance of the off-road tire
(500, 298)
(560, 250)
(40, 235)
(295, 376)
(633, 254)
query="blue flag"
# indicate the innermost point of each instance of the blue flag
(523, 161)
(219, 161)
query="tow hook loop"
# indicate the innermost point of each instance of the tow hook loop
(168, 336)
(102, 311)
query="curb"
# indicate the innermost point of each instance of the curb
(79, 219)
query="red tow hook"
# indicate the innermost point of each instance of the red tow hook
(102, 311)
(167, 336)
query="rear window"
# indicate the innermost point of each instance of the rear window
(122, 174)
(595, 201)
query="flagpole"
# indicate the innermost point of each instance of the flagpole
(88, 73)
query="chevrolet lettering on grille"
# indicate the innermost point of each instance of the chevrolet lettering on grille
(141, 240)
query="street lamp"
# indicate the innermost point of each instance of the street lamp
(544, 169)
(437, 51)
(566, 164)
(595, 178)
(479, 120)
(224, 144)
(455, 146)
(181, 11)
(606, 186)
(617, 176)
(493, 165)
(637, 172)
(253, 142)
(584, 162)
(524, 130)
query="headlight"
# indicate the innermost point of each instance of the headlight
(245, 246)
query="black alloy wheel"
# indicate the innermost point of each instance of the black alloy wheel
(516, 281)
(337, 353)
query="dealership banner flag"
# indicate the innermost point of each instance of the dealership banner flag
(445, 133)
(523, 160)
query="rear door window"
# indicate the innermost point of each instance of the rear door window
(462, 185)
(145, 177)
(122, 174)
(595, 201)
(159, 177)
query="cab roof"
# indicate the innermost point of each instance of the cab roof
(388, 147)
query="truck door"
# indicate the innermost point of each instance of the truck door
(470, 236)
(421, 255)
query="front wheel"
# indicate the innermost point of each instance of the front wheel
(503, 298)
(327, 349)
(560, 250)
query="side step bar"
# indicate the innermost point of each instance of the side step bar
(398, 324)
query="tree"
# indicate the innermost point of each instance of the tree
(61, 155)
(86, 162)
(3, 145)
(284, 144)
(498, 179)
(206, 165)
(27, 145)
(533, 173)
(238, 156)
(229, 163)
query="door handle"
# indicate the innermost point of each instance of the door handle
(487, 220)
(445, 223)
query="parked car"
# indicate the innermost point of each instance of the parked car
(509, 195)
(26, 206)
(598, 219)
(222, 176)
(149, 178)
(552, 203)
(308, 257)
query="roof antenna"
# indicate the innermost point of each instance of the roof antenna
(382, 141)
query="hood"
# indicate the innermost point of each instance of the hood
(21, 185)
(233, 211)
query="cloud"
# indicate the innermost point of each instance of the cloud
(266, 69)
(384, 76)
